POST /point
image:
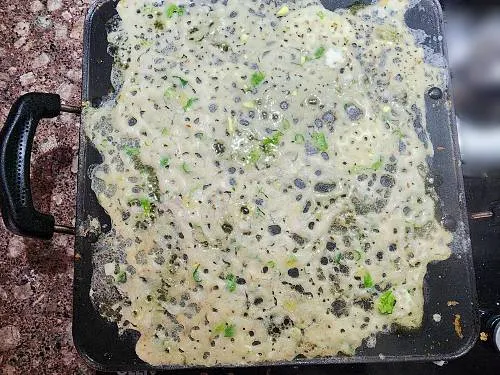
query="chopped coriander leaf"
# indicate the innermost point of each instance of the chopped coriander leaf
(174, 9)
(186, 168)
(269, 142)
(388, 33)
(319, 141)
(256, 79)
(164, 132)
(231, 282)
(319, 53)
(376, 165)
(229, 330)
(357, 255)
(321, 15)
(367, 280)
(189, 103)
(182, 80)
(196, 274)
(165, 161)
(338, 258)
(121, 277)
(147, 207)
(254, 156)
(132, 151)
(386, 303)
(271, 264)
(169, 93)
(299, 139)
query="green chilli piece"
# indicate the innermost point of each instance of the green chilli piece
(257, 78)
(121, 277)
(132, 151)
(183, 81)
(174, 9)
(186, 168)
(319, 141)
(375, 166)
(254, 155)
(367, 280)
(229, 330)
(386, 303)
(271, 264)
(189, 103)
(165, 162)
(147, 208)
(319, 53)
(357, 255)
(196, 274)
(231, 282)
(299, 139)
(169, 93)
(268, 143)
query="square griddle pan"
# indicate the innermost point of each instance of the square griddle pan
(98, 340)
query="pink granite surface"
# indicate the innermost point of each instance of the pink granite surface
(40, 50)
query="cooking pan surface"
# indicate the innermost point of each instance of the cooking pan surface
(98, 340)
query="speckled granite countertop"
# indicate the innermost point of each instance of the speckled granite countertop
(41, 50)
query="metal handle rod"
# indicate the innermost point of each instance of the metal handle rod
(64, 229)
(71, 108)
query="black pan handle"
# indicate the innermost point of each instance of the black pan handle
(16, 140)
